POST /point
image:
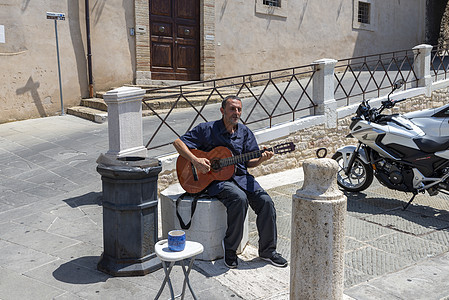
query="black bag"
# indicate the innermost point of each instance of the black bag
(192, 209)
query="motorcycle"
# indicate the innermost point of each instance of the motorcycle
(394, 150)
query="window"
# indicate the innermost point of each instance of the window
(364, 12)
(277, 8)
(276, 3)
(364, 15)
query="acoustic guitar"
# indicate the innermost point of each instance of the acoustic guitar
(222, 165)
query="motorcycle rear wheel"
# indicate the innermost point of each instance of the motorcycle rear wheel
(359, 179)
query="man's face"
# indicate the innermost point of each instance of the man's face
(232, 111)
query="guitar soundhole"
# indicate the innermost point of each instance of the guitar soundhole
(215, 164)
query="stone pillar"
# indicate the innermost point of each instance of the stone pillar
(142, 38)
(421, 65)
(125, 122)
(323, 91)
(318, 233)
(207, 39)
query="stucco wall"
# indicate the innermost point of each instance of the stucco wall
(28, 60)
(247, 41)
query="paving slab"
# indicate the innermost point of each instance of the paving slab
(33, 238)
(51, 230)
(408, 222)
(427, 280)
(21, 259)
(15, 286)
(261, 280)
(407, 246)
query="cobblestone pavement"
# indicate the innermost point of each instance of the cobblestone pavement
(381, 238)
(51, 230)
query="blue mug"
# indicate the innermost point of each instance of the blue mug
(176, 240)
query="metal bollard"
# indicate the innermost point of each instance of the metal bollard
(318, 234)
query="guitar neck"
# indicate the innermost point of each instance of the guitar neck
(224, 162)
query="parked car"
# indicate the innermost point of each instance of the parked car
(433, 121)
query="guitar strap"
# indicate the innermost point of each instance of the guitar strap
(195, 198)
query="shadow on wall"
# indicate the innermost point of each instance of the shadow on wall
(33, 87)
(97, 10)
(25, 4)
(77, 44)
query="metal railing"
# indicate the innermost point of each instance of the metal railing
(439, 63)
(279, 96)
(367, 76)
(269, 98)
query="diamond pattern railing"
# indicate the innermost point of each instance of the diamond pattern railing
(366, 76)
(279, 96)
(439, 63)
(268, 98)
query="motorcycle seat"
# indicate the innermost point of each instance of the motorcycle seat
(431, 144)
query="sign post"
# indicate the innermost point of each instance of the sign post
(56, 17)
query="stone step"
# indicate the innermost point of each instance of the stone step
(160, 83)
(189, 92)
(88, 113)
(95, 109)
(97, 103)
(156, 104)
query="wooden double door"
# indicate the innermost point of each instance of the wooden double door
(175, 39)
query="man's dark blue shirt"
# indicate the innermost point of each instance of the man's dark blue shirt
(206, 136)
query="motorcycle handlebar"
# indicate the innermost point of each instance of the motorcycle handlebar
(391, 103)
(373, 113)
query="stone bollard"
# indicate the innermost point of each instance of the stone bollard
(318, 233)
(125, 122)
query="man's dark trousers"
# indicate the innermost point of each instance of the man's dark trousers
(236, 201)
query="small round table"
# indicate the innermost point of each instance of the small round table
(191, 250)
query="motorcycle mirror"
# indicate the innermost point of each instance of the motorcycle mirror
(398, 84)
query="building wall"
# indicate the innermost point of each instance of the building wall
(249, 37)
(238, 37)
(248, 41)
(28, 60)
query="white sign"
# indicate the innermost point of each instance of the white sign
(210, 37)
(56, 16)
(2, 34)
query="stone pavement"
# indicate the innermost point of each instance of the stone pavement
(51, 230)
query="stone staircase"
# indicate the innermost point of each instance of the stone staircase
(95, 109)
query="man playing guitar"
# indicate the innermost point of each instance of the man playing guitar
(241, 189)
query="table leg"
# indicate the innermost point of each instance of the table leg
(186, 278)
(166, 279)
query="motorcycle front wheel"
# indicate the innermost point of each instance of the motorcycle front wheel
(359, 179)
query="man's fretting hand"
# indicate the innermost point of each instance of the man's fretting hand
(266, 155)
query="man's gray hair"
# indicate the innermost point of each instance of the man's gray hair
(225, 100)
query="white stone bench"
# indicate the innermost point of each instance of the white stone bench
(208, 225)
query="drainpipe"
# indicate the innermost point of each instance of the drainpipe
(89, 52)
